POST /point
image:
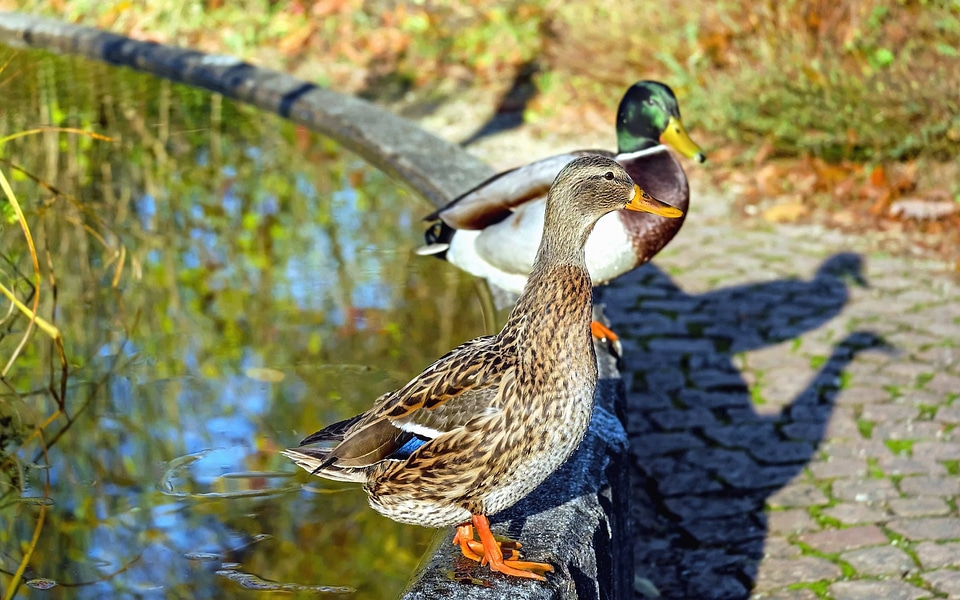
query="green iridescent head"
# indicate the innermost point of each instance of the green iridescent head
(649, 115)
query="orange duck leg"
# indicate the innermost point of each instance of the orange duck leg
(489, 551)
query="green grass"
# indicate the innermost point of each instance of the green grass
(817, 587)
(825, 521)
(900, 447)
(923, 379)
(756, 396)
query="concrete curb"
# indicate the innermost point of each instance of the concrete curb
(578, 519)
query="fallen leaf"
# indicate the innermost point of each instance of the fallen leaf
(844, 218)
(296, 40)
(768, 180)
(785, 213)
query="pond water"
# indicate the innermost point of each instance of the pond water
(225, 283)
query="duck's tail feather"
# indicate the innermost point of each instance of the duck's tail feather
(316, 461)
(437, 238)
(331, 433)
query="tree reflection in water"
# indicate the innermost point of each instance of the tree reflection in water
(225, 283)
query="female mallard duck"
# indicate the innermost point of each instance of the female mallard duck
(485, 424)
(493, 230)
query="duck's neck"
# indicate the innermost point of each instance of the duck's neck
(557, 300)
(627, 143)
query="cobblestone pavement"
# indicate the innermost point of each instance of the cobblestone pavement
(792, 408)
(793, 404)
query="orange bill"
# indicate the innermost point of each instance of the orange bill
(644, 202)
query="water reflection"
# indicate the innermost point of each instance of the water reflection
(225, 284)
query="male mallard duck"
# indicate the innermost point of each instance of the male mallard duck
(493, 230)
(485, 424)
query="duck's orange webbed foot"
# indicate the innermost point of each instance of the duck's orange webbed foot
(490, 551)
(473, 549)
(604, 334)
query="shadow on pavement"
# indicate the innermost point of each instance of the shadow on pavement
(705, 461)
(509, 112)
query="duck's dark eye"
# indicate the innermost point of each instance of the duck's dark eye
(608, 175)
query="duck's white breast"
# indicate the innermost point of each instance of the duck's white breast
(609, 250)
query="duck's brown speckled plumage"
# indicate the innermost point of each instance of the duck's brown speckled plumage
(531, 388)
(499, 413)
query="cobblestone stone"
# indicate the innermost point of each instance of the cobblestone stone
(707, 507)
(679, 419)
(781, 453)
(842, 424)
(800, 494)
(837, 540)
(839, 467)
(927, 451)
(882, 560)
(688, 483)
(889, 412)
(864, 490)
(715, 379)
(875, 590)
(666, 443)
(930, 528)
(794, 520)
(949, 414)
(778, 547)
(736, 529)
(918, 507)
(776, 573)
(946, 581)
(809, 432)
(664, 380)
(909, 430)
(902, 465)
(801, 594)
(714, 585)
(943, 383)
(934, 556)
(930, 486)
(861, 448)
(850, 513)
(861, 393)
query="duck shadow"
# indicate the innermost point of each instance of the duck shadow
(702, 460)
(705, 461)
(508, 113)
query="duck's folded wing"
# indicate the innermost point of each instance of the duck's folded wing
(467, 383)
(494, 199)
